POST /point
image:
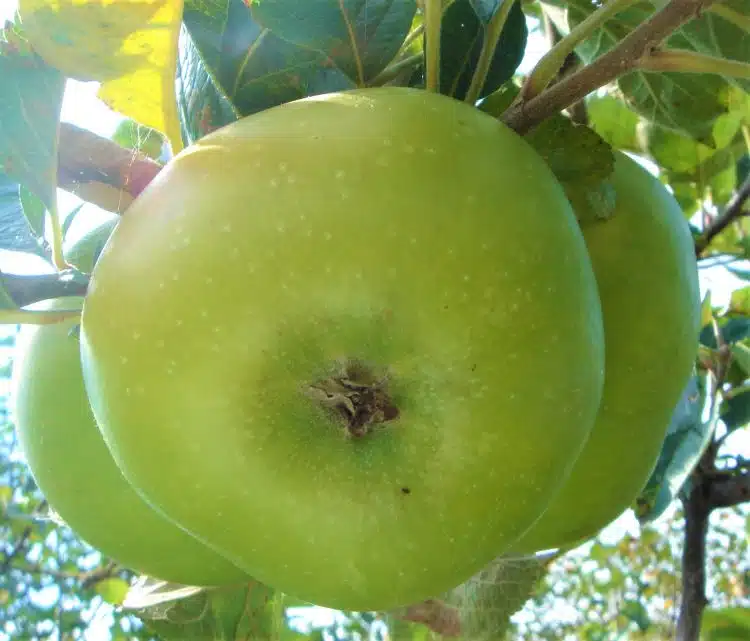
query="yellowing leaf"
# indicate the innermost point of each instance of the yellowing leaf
(130, 46)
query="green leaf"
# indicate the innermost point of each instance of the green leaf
(614, 121)
(672, 150)
(686, 439)
(201, 101)
(35, 212)
(741, 355)
(230, 67)
(723, 31)
(113, 590)
(723, 183)
(486, 602)
(30, 105)
(461, 38)
(500, 99)
(740, 272)
(637, 612)
(743, 168)
(485, 9)
(735, 411)
(726, 127)
(732, 330)
(581, 160)
(15, 231)
(728, 624)
(250, 612)
(685, 102)
(132, 135)
(359, 36)
(686, 193)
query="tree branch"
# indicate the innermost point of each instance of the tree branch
(436, 615)
(697, 511)
(729, 489)
(27, 289)
(624, 57)
(733, 211)
(100, 171)
(86, 579)
(15, 550)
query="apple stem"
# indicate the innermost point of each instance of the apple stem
(730, 15)
(492, 34)
(393, 70)
(433, 15)
(684, 61)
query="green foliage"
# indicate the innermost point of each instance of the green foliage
(685, 102)
(359, 37)
(232, 66)
(729, 624)
(30, 105)
(15, 229)
(687, 438)
(461, 41)
(627, 585)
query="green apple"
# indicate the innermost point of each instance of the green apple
(353, 341)
(83, 252)
(645, 266)
(74, 470)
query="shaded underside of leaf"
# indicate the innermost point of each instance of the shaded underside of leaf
(202, 105)
(15, 232)
(359, 36)
(687, 437)
(724, 33)
(685, 102)
(30, 103)
(461, 39)
(230, 67)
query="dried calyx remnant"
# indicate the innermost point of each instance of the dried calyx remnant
(356, 397)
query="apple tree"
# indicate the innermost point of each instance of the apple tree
(380, 321)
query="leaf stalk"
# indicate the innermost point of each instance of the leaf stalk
(550, 64)
(492, 35)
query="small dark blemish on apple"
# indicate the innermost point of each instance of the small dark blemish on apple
(405, 490)
(473, 368)
(445, 306)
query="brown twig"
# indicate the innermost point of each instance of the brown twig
(15, 550)
(729, 490)
(101, 171)
(697, 512)
(27, 289)
(734, 210)
(624, 57)
(86, 579)
(438, 616)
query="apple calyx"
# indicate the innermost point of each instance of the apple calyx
(355, 396)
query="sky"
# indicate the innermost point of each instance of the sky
(82, 107)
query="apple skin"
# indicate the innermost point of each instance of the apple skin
(74, 470)
(84, 251)
(644, 260)
(395, 227)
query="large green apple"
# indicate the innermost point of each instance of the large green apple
(644, 261)
(74, 470)
(353, 341)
